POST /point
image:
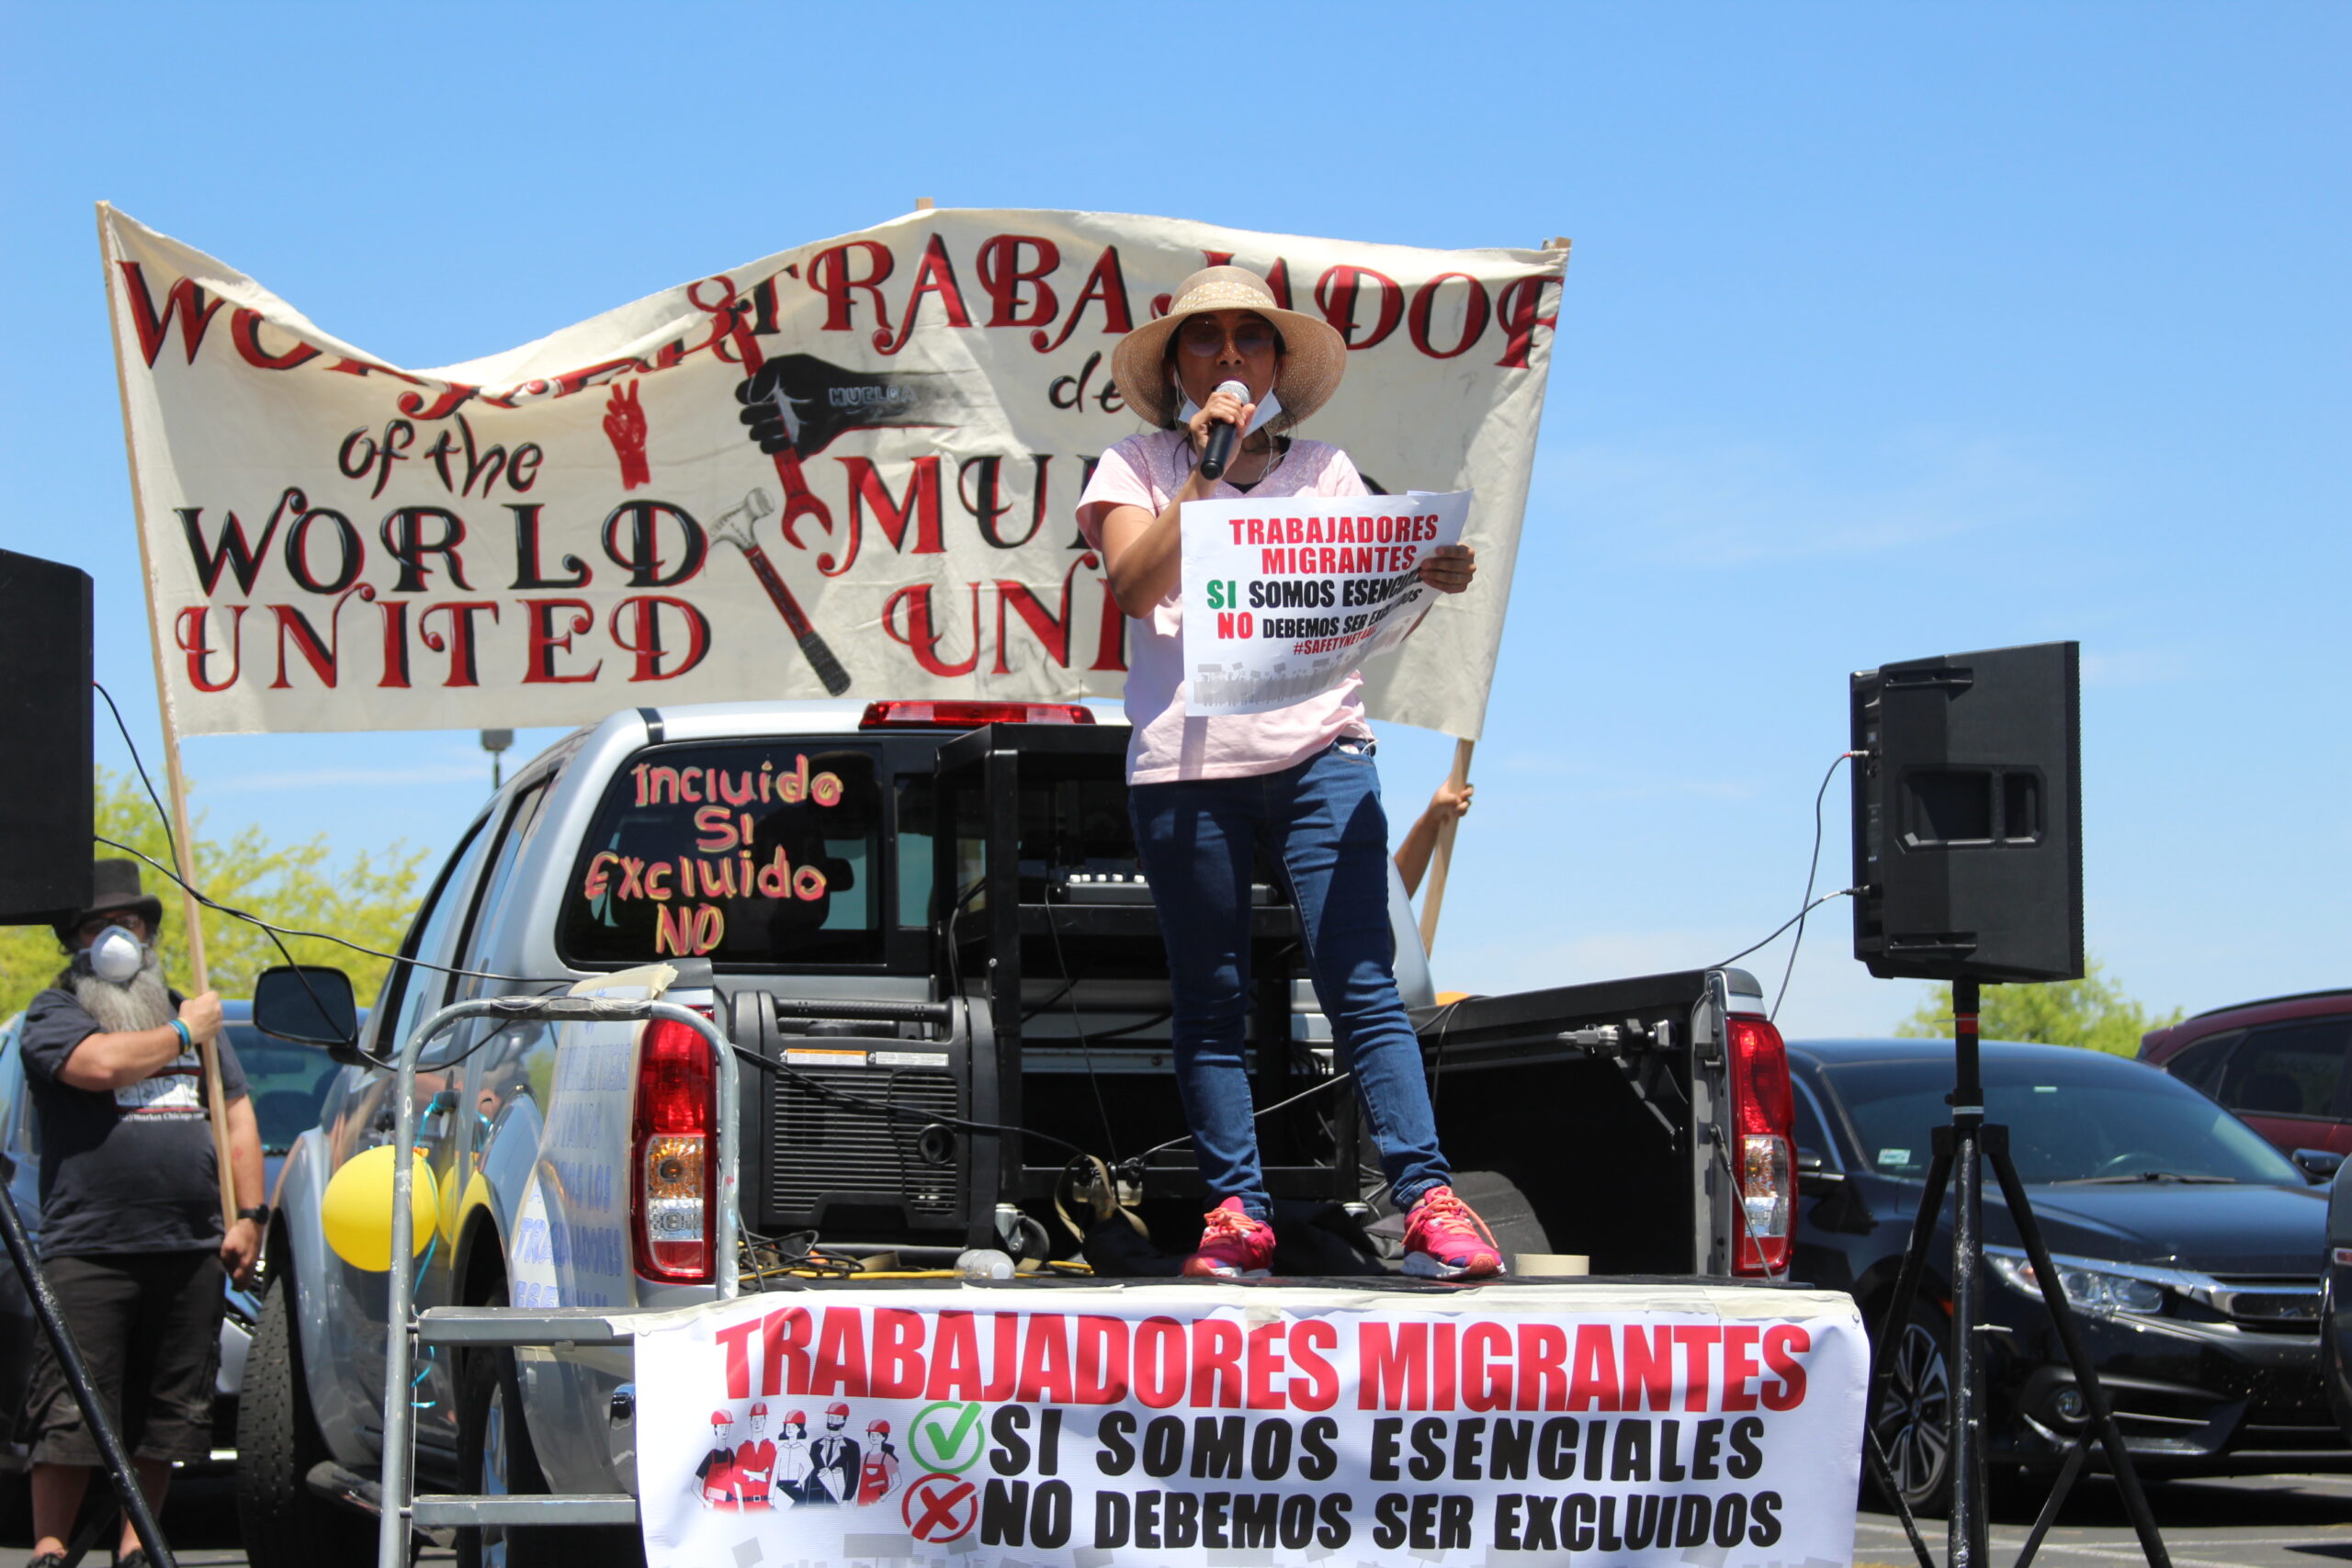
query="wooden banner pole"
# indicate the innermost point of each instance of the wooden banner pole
(1443, 856)
(175, 786)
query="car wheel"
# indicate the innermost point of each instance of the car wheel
(285, 1524)
(1913, 1422)
(495, 1456)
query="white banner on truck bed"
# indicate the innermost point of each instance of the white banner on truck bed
(850, 467)
(1084, 1426)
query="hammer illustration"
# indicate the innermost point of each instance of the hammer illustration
(734, 527)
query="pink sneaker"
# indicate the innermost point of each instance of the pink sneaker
(1445, 1240)
(1232, 1244)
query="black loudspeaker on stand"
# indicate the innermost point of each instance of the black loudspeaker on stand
(45, 812)
(1968, 866)
(45, 825)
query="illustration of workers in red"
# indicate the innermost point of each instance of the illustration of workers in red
(879, 1476)
(792, 1464)
(834, 1461)
(755, 1461)
(716, 1473)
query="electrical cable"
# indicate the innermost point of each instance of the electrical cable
(253, 919)
(170, 842)
(1136, 1165)
(1813, 870)
(1077, 1027)
(205, 899)
(1784, 925)
(1067, 986)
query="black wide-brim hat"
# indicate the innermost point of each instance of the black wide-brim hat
(114, 886)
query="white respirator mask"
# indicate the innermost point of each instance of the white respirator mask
(1267, 409)
(116, 956)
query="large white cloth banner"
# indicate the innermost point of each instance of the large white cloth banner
(1082, 1426)
(849, 467)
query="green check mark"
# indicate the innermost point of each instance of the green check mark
(947, 1444)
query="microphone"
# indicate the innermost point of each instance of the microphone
(1221, 438)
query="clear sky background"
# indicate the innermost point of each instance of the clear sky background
(1890, 331)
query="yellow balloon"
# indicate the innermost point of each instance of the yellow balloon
(357, 1212)
(450, 1187)
(477, 1191)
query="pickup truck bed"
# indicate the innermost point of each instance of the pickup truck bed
(942, 979)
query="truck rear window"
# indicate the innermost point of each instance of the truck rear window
(748, 852)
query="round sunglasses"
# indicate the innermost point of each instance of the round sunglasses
(1203, 337)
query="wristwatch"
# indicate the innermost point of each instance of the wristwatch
(258, 1213)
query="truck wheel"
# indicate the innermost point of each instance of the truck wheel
(285, 1524)
(1913, 1422)
(496, 1458)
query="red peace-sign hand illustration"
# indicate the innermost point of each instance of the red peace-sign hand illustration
(625, 428)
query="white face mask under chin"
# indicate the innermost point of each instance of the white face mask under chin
(1267, 410)
(116, 956)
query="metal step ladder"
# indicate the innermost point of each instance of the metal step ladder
(484, 1327)
(513, 1328)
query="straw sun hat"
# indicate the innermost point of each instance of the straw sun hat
(1314, 355)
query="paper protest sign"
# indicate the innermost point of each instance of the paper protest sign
(1199, 1427)
(1286, 597)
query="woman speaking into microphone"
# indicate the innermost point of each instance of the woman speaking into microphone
(1228, 370)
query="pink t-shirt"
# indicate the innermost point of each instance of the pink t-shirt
(1168, 743)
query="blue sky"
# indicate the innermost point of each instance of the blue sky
(1890, 331)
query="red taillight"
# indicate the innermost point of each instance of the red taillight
(672, 1153)
(970, 716)
(1763, 1125)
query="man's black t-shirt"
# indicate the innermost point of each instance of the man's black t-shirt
(123, 1171)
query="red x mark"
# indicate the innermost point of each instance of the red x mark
(950, 1507)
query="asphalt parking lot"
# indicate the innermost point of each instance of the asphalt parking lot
(2263, 1521)
(2269, 1521)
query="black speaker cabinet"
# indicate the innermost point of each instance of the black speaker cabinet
(45, 806)
(1968, 815)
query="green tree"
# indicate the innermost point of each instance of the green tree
(369, 900)
(2092, 1013)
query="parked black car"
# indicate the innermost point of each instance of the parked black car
(2192, 1249)
(2336, 1301)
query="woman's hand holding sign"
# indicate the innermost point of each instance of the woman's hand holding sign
(1449, 568)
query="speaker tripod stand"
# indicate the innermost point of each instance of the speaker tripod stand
(1960, 1152)
(95, 1415)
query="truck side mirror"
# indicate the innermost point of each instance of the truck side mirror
(2317, 1164)
(1814, 1172)
(309, 1004)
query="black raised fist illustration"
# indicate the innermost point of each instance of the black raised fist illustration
(799, 403)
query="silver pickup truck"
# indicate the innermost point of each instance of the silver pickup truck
(922, 926)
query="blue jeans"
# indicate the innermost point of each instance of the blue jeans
(1321, 823)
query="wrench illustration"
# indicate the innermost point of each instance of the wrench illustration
(729, 317)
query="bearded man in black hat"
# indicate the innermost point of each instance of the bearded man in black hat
(131, 1233)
